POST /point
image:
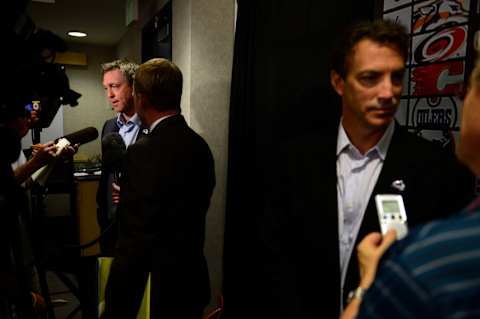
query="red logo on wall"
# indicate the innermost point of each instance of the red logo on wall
(442, 78)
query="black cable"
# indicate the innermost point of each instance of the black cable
(93, 241)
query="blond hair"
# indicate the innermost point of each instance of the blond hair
(161, 82)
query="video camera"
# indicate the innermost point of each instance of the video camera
(31, 82)
(31, 74)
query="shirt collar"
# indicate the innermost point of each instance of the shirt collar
(342, 140)
(133, 120)
(382, 146)
(159, 120)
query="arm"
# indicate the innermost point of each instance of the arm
(369, 252)
(42, 154)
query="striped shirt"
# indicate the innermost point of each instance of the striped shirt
(433, 273)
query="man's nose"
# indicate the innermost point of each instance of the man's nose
(110, 93)
(388, 89)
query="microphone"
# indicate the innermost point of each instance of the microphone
(113, 152)
(79, 137)
(83, 136)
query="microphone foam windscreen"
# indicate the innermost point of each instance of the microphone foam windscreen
(83, 136)
(113, 150)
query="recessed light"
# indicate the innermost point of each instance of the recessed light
(77, 34)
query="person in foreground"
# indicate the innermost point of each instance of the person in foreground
(165, 195)
(435, 271)
(42, 154)
(324, 199)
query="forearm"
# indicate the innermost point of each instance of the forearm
(23, 172)
(351, 310)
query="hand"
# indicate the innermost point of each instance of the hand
(38, 303)
(115, 193)
(369, 252)
(33, 118)
(43, 153)
(70, 150)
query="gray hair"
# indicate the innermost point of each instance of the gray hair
(126, 67)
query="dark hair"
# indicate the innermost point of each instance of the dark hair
(161, 82)
(385, 32)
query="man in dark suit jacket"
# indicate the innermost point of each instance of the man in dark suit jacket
(165, 195)
(323, 200)
(117, 82)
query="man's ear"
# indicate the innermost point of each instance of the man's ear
(337, 82)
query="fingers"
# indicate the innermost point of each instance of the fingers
(369, 252)
(50, 149)
(378, 243)
(115, 187)
(372, 239)
(115, 193)
(49, 143)
(68, 151)
(387, 241)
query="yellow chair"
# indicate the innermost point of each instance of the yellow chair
(104, 264)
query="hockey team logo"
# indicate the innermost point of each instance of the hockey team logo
(435, 113)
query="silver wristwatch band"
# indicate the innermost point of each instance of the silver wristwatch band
(356, 294)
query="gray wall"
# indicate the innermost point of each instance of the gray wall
(93, 107)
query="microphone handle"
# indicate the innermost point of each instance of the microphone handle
(116, 176)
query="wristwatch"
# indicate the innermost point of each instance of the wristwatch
(356, 293)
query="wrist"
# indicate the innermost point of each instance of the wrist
(356, 294)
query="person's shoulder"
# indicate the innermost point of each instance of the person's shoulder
(420, 147)
(416, 140)
(110, 121)
(438, 239)
(109, 126)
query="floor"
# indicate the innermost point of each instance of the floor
(63, 300)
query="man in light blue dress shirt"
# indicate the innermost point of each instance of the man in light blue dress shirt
(117, 82)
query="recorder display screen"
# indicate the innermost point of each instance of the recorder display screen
(390, 206)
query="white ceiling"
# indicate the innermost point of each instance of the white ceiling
(102, 20)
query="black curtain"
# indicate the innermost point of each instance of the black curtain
(280, 89)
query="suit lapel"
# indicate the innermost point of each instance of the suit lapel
(393, 169)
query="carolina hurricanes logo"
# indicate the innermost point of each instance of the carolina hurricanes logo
(439, 32)
(441, 46)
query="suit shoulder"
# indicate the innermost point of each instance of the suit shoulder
(419, 146)
(433, 155)
(109, 126)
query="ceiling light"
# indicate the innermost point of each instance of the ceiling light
(77, 34)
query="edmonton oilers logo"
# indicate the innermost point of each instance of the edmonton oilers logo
(435, 113)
